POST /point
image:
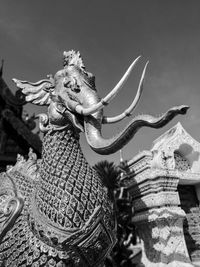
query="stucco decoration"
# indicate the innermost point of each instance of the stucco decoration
(152, 182)
(177, 141)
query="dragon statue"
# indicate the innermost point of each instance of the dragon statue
(55, 211)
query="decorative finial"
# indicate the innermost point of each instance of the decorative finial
(73, 58)
(31, 155)
(121, 163)
(1, 69)
(121, 158)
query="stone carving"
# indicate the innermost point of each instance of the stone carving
(161, 233)
(157, 181)
(178, 140)
(59, 213)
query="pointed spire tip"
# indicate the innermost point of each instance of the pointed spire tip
(1, 69)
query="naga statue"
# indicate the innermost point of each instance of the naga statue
(55, 211)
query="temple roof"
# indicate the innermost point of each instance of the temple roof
(32, 139)
(5, 93)
(175, 137)
(175, 153)
(16, 135)
(177, 140)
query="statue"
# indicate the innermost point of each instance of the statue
(55, 211)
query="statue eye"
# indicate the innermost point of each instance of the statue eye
(76, 89)
(67, 84)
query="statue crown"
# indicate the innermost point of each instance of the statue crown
(73, 58)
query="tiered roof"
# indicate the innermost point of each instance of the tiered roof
(16, 136)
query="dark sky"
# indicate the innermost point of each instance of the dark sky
(110, 34)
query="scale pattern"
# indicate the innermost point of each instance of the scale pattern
(67, 218)
(67, 202)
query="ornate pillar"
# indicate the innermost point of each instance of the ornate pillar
(164, 184)
(161, 233)
(158, 217)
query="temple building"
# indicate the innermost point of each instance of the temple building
(16, 136)
(164, 184)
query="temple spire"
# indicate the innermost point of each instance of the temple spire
(121, 157)
(1, 69)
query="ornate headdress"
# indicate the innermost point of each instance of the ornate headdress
(73, 60)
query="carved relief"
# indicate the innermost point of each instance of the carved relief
(152, 185)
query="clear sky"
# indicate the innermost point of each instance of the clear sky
(110, 34)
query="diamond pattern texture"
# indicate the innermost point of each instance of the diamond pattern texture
(67, 194)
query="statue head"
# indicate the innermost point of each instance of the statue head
(72, 99)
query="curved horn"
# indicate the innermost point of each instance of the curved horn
(112, 145)
(129, 110)
(106, 100)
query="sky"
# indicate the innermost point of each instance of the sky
(110, 34)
